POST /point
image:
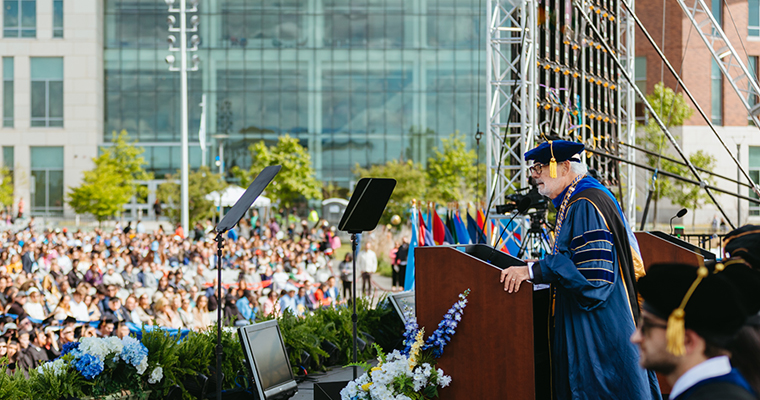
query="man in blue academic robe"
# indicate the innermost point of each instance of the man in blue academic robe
(592, 271)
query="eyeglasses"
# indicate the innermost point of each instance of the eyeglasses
(647, 325)
(536, 169)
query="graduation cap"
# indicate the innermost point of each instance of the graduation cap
(69, 320)
(714, 302)
(553, 151)
(743, 242)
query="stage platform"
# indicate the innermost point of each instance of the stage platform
(306, 388)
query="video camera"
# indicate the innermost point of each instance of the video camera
(537, 201)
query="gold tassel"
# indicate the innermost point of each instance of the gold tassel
(553, 168)
(553, 162)
(676, 324)
(675, 332)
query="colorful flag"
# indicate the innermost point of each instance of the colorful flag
(451, 228)
(409, 279)
(425, 236)
(439, 230)
(463, 236)
(476, 234)
(481, 219)
(421, 229)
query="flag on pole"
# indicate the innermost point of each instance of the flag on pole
(409, 279)
(439, 230)
(476, 233)
(463, 236)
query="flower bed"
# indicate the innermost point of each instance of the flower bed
(128, 368)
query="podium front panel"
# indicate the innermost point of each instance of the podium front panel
(491, 356)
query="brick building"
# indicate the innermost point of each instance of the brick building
(687, 52)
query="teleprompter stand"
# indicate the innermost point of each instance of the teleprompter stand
(362, 214)
(228, 222)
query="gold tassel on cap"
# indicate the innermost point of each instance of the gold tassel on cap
(676, 325)
(552, 162)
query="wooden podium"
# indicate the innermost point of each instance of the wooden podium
(659, 247)
(500, 349)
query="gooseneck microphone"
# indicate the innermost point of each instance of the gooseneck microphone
(522, 207)
(680, 214)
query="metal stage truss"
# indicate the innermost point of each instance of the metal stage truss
(549, 75)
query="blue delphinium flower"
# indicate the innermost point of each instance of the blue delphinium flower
(447, 327)
(89, 366)
(410, 332)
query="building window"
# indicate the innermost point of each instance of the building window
(47, 180)
(20, 18)
(8, 92)
(716, 78)
(47, 91)
(753, 27)
(640, 78)
(754, 173)
(57, 18)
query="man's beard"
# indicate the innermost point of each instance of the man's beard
(665, 367)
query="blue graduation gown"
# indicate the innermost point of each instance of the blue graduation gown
(594, 316)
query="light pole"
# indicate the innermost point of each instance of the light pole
(220, 163)
(183, 69)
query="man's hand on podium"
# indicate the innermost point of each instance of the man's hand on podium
(512, 277)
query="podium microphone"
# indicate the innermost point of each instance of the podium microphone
(522, 207)
(680, 214)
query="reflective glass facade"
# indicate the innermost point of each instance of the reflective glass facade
(358, 82)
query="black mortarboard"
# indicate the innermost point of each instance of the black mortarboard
(744, 242)
(553, 151)
(69, 320)
(707, 302)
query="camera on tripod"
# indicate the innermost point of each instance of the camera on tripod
(536, 242)
(537, 201)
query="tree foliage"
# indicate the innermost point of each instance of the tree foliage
(673, 109)
(107, 187)
(295, 182)
(411, 183)
(6, 187)
(200, 183)
(688, 195)
(452, 172)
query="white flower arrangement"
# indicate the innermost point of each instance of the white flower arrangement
(156, 375)
(410, 374)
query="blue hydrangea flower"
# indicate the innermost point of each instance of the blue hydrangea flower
(89, 366)
(69, 347)
(133, 352)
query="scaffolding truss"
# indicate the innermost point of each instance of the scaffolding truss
(511, 96)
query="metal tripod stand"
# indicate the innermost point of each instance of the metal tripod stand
(536, 242)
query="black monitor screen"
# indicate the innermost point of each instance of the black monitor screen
(404, 304)
(271, 360)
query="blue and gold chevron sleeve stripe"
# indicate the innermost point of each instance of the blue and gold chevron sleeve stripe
(592, 255)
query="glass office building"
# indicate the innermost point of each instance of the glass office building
(356, 81)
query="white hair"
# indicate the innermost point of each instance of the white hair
(579, 168)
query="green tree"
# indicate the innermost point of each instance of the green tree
(200, 183)
(6, 187)
(452, 172)
(673, 109)
(411, 182)
(295, 182)
(107, 187)
(684, 194)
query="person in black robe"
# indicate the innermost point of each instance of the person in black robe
(743, 243)
(689, 318)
